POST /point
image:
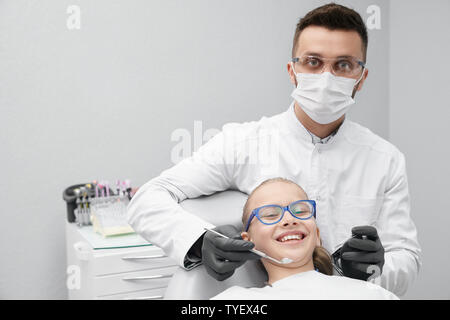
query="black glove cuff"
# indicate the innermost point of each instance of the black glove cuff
(336, 259)
(195, 252)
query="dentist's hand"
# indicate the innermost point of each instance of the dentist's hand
(222, 256)
(362, 251)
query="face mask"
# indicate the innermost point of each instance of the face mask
(324, 97)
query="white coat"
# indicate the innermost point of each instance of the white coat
(356, 178)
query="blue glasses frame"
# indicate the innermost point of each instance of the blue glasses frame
(255, 212)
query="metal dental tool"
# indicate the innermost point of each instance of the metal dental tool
(106, 183)
(128, 188)
(259, 253)
(77, 210)
(118, 187)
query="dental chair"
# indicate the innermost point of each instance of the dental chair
(196, 284)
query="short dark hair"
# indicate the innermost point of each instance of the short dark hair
(333, 17)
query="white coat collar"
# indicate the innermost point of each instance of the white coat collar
(298, 129)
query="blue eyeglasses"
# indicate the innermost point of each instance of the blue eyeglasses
(272, 213)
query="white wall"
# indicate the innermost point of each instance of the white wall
(102, 102)
(419, 116)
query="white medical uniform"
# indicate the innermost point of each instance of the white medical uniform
(310, 285)
(356, 178)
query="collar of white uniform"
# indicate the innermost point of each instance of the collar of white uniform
(308, 136)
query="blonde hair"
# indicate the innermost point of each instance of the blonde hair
(246, 205)
(321, 258)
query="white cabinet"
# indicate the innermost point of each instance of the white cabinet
(119, 273)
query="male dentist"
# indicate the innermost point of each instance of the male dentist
(357, 179)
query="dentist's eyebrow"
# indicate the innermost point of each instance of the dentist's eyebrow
(315, 54)
(309, 53)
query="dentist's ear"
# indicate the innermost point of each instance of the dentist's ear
(360, 84)
(291, 73)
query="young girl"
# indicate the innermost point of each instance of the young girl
(280, 220)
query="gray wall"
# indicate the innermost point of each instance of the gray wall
(419, 115)
(102, 102)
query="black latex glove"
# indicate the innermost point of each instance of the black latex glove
(222, 256)
(358, 253)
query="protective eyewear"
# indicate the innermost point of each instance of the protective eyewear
(272, 213)
(347, 66)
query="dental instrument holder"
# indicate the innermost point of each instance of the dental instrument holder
(70, 197)
(73, 196)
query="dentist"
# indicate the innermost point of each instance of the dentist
(357, 179)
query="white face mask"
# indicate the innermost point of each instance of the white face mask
(324, 97)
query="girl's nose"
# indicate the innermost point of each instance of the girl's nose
(288, 219)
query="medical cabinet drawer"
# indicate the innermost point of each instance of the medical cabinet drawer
(133, 281)
(115, 272)
(151, 257)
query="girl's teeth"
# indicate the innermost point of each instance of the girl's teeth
(291, 237)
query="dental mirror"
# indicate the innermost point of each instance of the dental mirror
(259, 253)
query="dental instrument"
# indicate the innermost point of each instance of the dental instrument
(118, 187)
(128, 188)
(106, 183)
(259, 253)
(77, 210)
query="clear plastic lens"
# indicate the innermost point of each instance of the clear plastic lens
(312, 63)
(302, 210)
(270, 214)
(343, 67)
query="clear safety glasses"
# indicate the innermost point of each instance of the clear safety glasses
(272, 213)
(348, 67)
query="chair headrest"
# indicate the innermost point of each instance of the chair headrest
(219, 208)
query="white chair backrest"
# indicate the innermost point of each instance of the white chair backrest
(219, 209)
